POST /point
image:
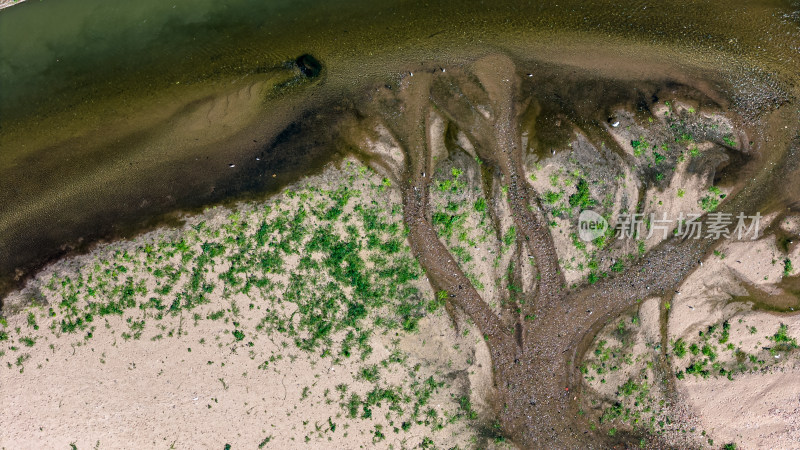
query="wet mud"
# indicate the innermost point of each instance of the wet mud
(536, 366)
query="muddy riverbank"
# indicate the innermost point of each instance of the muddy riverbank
(216, 104)
(100, 140)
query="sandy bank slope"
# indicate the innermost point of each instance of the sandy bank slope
(302, 321)
(8, 3)
(734, 367)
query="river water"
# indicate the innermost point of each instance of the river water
(116, 116)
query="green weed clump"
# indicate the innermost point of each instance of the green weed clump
(783, 342)
(711, 201)
(640, 146)
(582, 198)
(679, 348)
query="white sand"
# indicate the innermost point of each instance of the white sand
(9, 3)
(757, 409)
(154, 392)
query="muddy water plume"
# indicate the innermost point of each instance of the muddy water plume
(104, 113)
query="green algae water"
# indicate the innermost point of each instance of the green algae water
(116, 115)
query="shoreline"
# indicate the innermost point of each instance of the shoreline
(148, 87)
(453, 186)
(229, 180)
(9, 3)
(223, 357)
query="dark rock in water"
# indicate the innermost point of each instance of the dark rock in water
(310, 66)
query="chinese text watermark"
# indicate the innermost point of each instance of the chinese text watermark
(716, 225)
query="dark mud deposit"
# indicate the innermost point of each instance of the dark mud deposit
(308, 110)
(534, 364)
